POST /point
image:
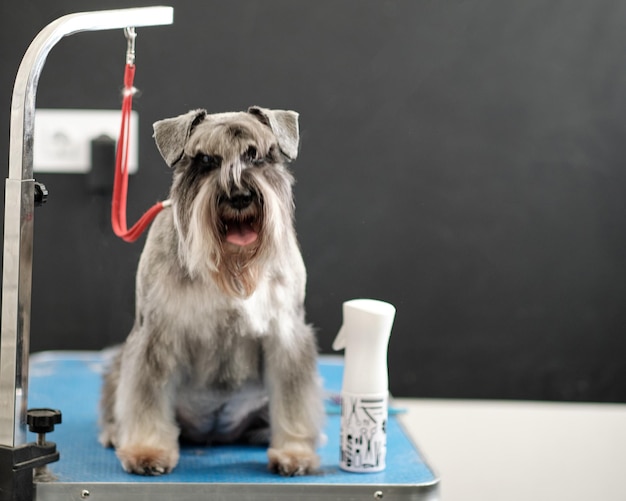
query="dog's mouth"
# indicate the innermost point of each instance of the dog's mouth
(240, 232)
(239, 217)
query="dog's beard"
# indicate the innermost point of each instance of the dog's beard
(227, 247)
(240, 243)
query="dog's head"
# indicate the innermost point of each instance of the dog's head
(232, 192)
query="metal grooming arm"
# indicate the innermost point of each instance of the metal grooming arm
(20, 202)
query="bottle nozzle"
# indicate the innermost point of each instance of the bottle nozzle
(364, 335)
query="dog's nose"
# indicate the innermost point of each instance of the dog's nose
(241, 199)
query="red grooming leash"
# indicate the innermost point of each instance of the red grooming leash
(120, 182)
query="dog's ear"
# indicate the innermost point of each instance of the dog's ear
(171, 134)
(284, 125)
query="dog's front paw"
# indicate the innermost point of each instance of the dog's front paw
(147, 460)
(293, 461)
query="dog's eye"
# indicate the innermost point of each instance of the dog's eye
(251, 156)
(208, 162)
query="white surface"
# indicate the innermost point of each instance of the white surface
(495, 451)
(62, 141)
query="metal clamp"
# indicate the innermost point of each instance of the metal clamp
(131, 35)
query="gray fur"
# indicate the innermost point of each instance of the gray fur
(171, 134)
(284, 123)
(220, 350)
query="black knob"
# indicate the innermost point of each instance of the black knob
(42, 420)
(41, 194)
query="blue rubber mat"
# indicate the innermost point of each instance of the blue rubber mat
(70, 381)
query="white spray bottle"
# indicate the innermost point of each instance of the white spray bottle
(364, 395)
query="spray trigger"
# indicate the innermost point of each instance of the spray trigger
(340, 341)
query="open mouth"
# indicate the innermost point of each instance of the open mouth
(241, 232)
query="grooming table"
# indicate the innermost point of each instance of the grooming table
(70, 381)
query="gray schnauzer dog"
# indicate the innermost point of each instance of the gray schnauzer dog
(219, 351)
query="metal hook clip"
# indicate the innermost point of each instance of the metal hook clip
(130, 35)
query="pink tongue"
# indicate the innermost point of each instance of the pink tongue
(241, 234)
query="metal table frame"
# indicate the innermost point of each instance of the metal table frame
(19, 205)
(18, 458)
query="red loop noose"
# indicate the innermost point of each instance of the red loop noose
(120, 182)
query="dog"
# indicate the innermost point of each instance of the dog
(219, 351)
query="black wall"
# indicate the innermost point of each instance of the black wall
(463, 160)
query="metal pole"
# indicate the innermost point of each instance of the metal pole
(19, 206)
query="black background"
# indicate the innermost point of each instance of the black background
(463, 160)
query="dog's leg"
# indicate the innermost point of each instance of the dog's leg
(147, 434)
(107, 402)
(296, 412)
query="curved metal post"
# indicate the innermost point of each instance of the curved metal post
(19, 204)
